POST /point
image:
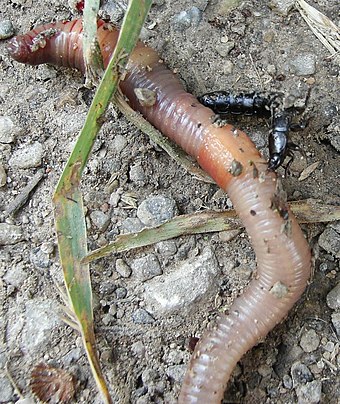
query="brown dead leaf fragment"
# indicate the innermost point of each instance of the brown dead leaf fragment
(52, 385)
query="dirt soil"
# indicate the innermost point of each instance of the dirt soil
(252, 47)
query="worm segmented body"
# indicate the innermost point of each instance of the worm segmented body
(233, 161)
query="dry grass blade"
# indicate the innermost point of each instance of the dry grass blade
(307, 211)
(323, 28)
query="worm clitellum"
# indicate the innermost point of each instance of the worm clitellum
(228, 156)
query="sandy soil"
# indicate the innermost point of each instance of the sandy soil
(144, 362)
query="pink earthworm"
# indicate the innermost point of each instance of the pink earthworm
(232, 160)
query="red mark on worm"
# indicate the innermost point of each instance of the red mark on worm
(283, 257)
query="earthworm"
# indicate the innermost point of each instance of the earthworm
(228, 156)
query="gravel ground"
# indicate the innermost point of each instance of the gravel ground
(142, 330)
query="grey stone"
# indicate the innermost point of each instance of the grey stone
(3, 176)
(132, 225)
(45, 73)
(336, 322)
(309, 341)
(108, 319)
(119, 143)
(6, 29)
(123, 268)
(146, 268)
(8, 130)
(72, 356)
(329, 240)
(156, 210)
(10, 234)
(107, 287)
(149, 376)
(141, 316)
(333, 298)
(185, 19)
(190, 281)
(100, 219)
(40, 259)
(40, 319)
(309, 393)
(225, 6)
(282, 7)
(166, 248)
(120, 293)
(137, 173)
(15, 276)
(6, 390)
(223, 49)
(176, 372)
(300, 374)
(303, 65)
(27, 157)
(287, 382)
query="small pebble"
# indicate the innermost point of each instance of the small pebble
(300, 374)
(141, 316)
(120, 293)
(39, 259)
(156, 210)
(137, 173)
(309, 341)
(100, 220)
(138, 348)
(166, 248)
(107, 287)
(309, 393)
(336, 323)
(176, 372)
(303, 65)
(15, 276)
(123, 268)
(3, 176)
(8, 130)
(225, 6)
(183, 287)
(108, 319)
(6, 29)
(228, 67)
(119, 143)
(333, 298)
(27, 157)
(329, 240)
(287, 382)
(224, 49)
(146, 268)
(131, 225)
(281, 7)
(10, 234)
(186, 19)
(45, 72)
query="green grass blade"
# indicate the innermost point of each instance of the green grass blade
(92, 56)
(68, 203)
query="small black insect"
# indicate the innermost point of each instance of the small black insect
(264, 106)
(224, 103)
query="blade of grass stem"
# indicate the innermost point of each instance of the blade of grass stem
(91, 51)
(307, 211)
(68, 202)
